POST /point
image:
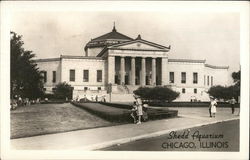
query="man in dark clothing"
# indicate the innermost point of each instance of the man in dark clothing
(209, 109)
(232, 102)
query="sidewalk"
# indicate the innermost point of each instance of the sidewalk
(97, 138)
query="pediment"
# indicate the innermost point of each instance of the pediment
(139, 45)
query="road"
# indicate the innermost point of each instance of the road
(222, 136)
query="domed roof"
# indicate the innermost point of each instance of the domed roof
(108, 39)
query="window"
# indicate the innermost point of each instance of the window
(99, 88)
(171, 77)
(195, 77)
(85, 88)
(72, 75)
(212, 81)
(44, 76)
(183, 77)
(208, 80)
(85, 75)
(99, 75)
(195, 90)
(54, 76)
(183, 90)
(204, 80)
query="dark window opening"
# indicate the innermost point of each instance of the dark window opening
(195, 90)
(171, 77)
(99, 75)
(54, 77)
(183, 77)
(85, 75)
(212, 83)
(72, 75)
(195, 77)
(44, 76)
(208, 80)
(183, 90)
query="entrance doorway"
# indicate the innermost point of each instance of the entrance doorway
(126, 79)
(117, 80)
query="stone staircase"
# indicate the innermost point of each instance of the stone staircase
(122, 98)
(122, 89)
(131, 88)
(119, 90)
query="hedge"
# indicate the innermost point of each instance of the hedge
(189, 104)
(117, 105)
(161, 113)
(157, 93)
(116, 114)
(106, 112)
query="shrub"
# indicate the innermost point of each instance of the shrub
(121, 114)
(157, 93)
(106, 112)
(49, 96)
(63, 90)
(225, 93)
(189, 104)
(117, 105)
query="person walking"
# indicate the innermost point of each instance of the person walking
(210, 106)
(139, 108)
(232, 103)
(85, 98)
(104, 98)
(213, 107)
(20, 101)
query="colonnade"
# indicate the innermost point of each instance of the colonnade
(132, 77)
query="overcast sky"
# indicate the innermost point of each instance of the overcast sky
(211, 36)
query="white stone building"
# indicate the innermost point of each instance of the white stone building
(128, 63)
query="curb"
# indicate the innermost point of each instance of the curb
(145, 136)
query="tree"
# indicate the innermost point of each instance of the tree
(227, 93)
(157, 93)
(220, 92)
(26, 79)
(236, 78)
(63, 90)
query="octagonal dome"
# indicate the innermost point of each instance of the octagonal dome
(107, 39)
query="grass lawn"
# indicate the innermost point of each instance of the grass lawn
(52, 118)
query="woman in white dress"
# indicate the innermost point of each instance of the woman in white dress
(139, 108)
(213, 107)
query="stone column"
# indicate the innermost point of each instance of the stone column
(132, 80)
(164, 71)
(122, 71)
(153, 71)
(143, 71)
(111, 69)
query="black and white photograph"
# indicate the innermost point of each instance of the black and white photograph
(151, 79)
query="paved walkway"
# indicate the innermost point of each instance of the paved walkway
(97, 138)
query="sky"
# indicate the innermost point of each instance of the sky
(213, 36)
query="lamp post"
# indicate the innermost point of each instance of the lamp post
(109, 91)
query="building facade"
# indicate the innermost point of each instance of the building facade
(126, 64)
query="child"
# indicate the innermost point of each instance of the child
(133, 112)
